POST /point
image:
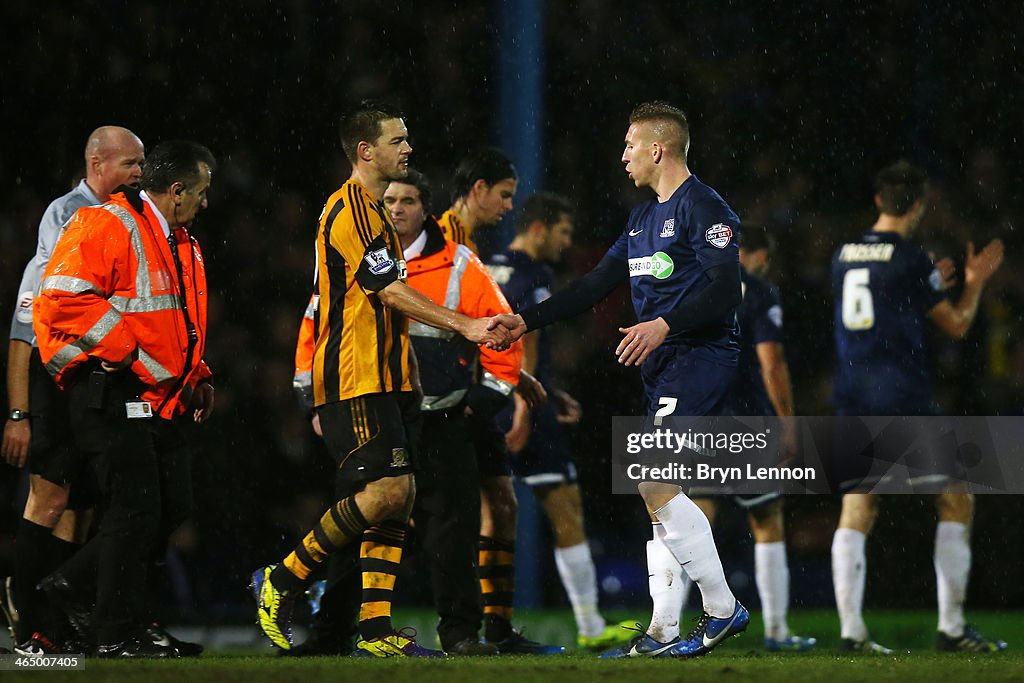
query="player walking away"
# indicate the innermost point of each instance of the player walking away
(484, 184)
(762, 388)
(537, 440)
(885, 289)
(363, 388)
(679, 254)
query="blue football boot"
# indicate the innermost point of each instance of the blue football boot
(710, 632)
(790, 644)
(642, 645)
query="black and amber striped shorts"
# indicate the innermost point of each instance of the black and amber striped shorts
(372, 436)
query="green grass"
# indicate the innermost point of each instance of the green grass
(910, 634)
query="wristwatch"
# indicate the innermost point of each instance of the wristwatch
(17, 415)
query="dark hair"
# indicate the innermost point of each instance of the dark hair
(546, 207)
(363, 125)
(489, 164)
(420, 182)
(899, 186)
(173, 162)
(755, 238)
(672, 127)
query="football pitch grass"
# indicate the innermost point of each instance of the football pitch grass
(909, 633)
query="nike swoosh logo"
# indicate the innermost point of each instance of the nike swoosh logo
(634, 233)
(633, 652)
(161, 641)
(708, 642)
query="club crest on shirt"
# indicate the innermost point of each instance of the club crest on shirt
(379, 260)
(669, 229)
(399, 458)
(719, 235)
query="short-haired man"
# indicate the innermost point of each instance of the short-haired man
(886, 288)
(121, 324)
(363, 386)
(679, 254)
(61, 488)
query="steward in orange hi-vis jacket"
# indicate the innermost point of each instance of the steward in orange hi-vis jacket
(452, 276)
(114, 288)
(121, 325)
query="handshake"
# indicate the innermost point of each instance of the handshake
(497, 332)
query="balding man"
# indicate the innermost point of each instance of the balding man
(37, 421)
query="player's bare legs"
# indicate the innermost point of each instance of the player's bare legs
(849, 564)
(953, 559)
(46, 506)
(563, 506)
(771, 571)
(498, 508)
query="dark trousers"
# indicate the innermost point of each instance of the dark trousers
(142, 468)
(447, 517)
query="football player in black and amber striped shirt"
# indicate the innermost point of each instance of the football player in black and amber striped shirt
(483, 187)
(363, 378)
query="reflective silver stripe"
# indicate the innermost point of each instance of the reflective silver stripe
(454, 293)
(418, 329)
(158, 371)
(302, 379)
(86, 343)
(445, 401)
(311, 307)
(499, 385)
(145, 304)
(547, 478)
(66, 283)
(144, 301)
(142, 285)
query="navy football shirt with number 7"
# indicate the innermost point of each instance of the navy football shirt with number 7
(668, 246)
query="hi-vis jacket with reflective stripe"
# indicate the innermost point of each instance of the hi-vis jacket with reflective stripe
(113, 288)
(452, 276)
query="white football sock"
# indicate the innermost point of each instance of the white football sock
(849, 569)
(685, 590)
(771, 571)
(664, 578)
(688, 535)
(579, 578)
(952, 570)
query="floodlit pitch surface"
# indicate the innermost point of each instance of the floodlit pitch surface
(742, 659)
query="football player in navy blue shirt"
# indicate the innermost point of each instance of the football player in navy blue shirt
(679, 254)
(541, 455)
(763, 388)
(886, 290)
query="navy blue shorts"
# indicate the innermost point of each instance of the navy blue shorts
(547, 459)
(681, 380)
